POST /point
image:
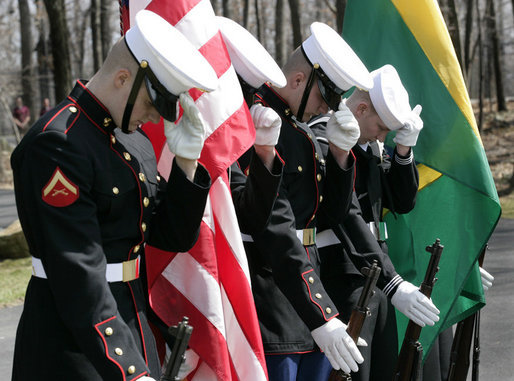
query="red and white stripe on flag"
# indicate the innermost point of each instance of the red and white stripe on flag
(210, 284)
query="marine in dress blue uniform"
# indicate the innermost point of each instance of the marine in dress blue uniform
(381, 181)
(89, 197)
(292, 305)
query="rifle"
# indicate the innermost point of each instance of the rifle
(359, 313)
(466, 331)
(182, 333)
(408, 367)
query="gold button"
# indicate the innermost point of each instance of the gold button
(158, 178)
(131, 369)
(126, 155)
(118, 351)
(146, 202)
(318, 295)
(300, 168)
(311, 280)
(72, 109)
(143, 227)
(316, 66)
(320, 199)
(322, 161)
(142, 177)
(328, 310)
(108, 331)
(318, 177)
(310, 136)
(144, 64)
(113, 139)
(115, 190)
(136, 248)
(316, 156)
(287, 111)
(107, 121)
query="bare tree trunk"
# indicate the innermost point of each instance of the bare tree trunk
(59, 36)
(105, 26)
(294, 5)
(480, 70)
(27, 47)
(467, 39)
(258, 20)
(226, 9)
(450, 15)
(340, 8)
(498, 74)
(246, 13)
(279, 32)
(44, 57)
(96, 34)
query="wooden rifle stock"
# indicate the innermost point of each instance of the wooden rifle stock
(359, 313)
(182, 334)
(408, 367)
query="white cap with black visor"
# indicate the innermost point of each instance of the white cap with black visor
(168, 63)
(334, 64)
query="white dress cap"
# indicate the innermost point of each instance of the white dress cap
(251, 61)
(336, 58)
(389, 97)
(172, 58)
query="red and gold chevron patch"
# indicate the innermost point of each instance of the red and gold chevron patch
(60, 191)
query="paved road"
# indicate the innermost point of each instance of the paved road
(7, 208)
(496, 329)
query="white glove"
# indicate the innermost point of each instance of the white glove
(145, 378)
(267, 125)
(338, 346)
(412, 303)
(408, 134)
(185, 139)
(342, 128)
(487, 279)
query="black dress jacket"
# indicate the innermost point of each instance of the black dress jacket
(88, 196)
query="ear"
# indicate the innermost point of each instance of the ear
(361, 110)
(297, 79)
(121, 78)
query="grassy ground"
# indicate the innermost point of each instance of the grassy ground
(14, 276)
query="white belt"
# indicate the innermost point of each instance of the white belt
(329, 238)
(306, 236)
(115, 272)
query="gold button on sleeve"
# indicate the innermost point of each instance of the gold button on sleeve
(311, 280)
(108, 331)
(318, 295)
(72, 109)
(118, 351)
(146, 201)
(328, 310)
(131, 369)
(142, 177)
(136, 248)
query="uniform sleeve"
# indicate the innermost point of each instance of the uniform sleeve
(401, 183)
(338, 189)
(69, 240)
(291, 268)
(363, 248)
(177, 218)
(254, 195)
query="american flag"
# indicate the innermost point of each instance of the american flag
(210, 284)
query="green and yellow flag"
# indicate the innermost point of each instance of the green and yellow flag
(457, 200)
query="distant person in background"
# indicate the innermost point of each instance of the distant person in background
(21, 114)
(46, 107)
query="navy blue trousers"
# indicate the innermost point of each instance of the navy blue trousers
(312, 366)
